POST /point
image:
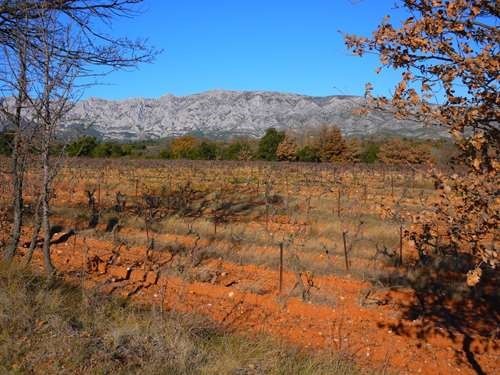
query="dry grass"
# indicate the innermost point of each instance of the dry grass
(48, 327)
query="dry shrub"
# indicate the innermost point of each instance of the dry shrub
(399, 151)
(287, 149)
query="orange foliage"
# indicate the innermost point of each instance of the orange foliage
(450, 49)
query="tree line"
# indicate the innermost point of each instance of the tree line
(328, 145)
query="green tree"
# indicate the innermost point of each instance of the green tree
(102, 150)
(116, 150)
(308, 154)
(83, 146)
(269, 143)
(165, 154)
(6, 143)
(207, 150)
(237, 150)
(370, 152)
(127, 149)
(230, 151)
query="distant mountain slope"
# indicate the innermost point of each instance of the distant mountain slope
(219, 114)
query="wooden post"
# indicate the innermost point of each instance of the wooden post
(437, 240)
(281, 268)
(344, 235)
(99, 193)
(162, 302)
(84, 268)
(287, 196)
(146, 222)
(308, 208)
(338, 203)
(401, 245)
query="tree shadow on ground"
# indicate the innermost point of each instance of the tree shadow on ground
(445, 306)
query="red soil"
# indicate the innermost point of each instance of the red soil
(245, 298)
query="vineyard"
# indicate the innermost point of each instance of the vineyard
(319, 255)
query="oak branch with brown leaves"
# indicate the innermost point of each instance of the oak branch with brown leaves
(448, 52)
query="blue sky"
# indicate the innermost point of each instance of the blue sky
(291, 46)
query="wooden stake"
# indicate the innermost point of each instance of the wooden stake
(344, 235)
(401, 245)
(281, 268)
(162, 302)
(99, 194)
(338, 203)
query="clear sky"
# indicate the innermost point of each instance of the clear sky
(290, 46)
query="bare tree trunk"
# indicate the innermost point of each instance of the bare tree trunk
(49, 121)
(49, 267)
(36, 231)
(17, 222)
(18, 160)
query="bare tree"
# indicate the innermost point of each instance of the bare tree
(52, 101)
(14, 59)
(61, 42)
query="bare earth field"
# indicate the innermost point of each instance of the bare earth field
(207, 238)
